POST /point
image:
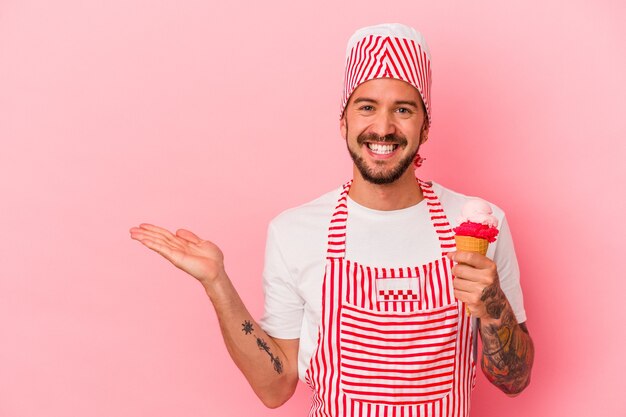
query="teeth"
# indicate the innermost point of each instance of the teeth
(381, 149)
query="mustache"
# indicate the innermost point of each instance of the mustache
(374, 137)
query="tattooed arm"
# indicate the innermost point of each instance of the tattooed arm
(269, 365)
(508, 350)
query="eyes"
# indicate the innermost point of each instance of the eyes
(368, 108)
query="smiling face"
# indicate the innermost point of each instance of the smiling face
(384, 125)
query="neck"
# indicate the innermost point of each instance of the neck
(402, 193)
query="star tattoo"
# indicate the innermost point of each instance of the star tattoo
(247, 327)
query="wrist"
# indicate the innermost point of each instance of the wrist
(494, 304)
(490, 322)
(217, 285)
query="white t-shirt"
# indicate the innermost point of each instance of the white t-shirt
(295, 257)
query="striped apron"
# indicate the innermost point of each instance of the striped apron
(392, 342)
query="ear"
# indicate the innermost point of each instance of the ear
(424, 132)
(343, 127)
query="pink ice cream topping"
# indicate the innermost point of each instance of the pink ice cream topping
(477, 230)
(477, 220)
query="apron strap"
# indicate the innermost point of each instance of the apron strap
(337, 229)
(438, 218)
(446, 240)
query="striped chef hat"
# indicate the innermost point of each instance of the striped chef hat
(390, 50)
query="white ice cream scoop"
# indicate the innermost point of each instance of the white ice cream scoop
(477, 210)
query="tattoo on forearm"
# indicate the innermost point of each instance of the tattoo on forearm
(507, 353)
(278, 365)
(494, 300)
(248, 328)
(524, 328)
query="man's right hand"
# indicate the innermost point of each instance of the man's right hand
(200, 258)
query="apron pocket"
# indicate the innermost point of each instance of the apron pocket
(397, 358)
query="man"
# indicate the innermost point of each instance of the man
(333, 314)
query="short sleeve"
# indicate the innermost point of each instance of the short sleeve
(284, 308)
(508, 271)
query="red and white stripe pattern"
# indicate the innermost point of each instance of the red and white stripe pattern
(397, 358)
(383, 358)
(439, 219)
(380, 54)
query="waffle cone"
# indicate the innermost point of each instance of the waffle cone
(471, 244)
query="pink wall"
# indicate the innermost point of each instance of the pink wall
(217, 117)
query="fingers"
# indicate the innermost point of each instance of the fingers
(166, 234)
(470, 273)
(469, 285)
(472, 279)
(188, 236)
(146, 236)
(183, 234)
(472, 300)
(470, 258)
(142, 234)
(159, 244)
(473, 266)
(159, 248)
(469, 292)
(156, 233)
(473, 274)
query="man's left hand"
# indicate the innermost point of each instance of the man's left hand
(476, 283)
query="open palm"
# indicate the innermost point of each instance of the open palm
(200, 258)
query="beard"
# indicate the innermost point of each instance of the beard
(384, 176)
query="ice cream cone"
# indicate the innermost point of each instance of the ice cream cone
(471, 244)
(477, 227)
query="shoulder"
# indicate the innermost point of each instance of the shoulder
(300, 233)
(297, 238)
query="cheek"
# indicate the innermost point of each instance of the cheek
(411, 133)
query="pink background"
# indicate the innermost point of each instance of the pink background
(217, 117)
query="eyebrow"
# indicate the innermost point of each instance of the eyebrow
(399, 102)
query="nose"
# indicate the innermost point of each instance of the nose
(383, 124)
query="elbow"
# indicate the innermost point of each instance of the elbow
(511, 385)
(275, 401)
(276, 395)
(515, 390)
